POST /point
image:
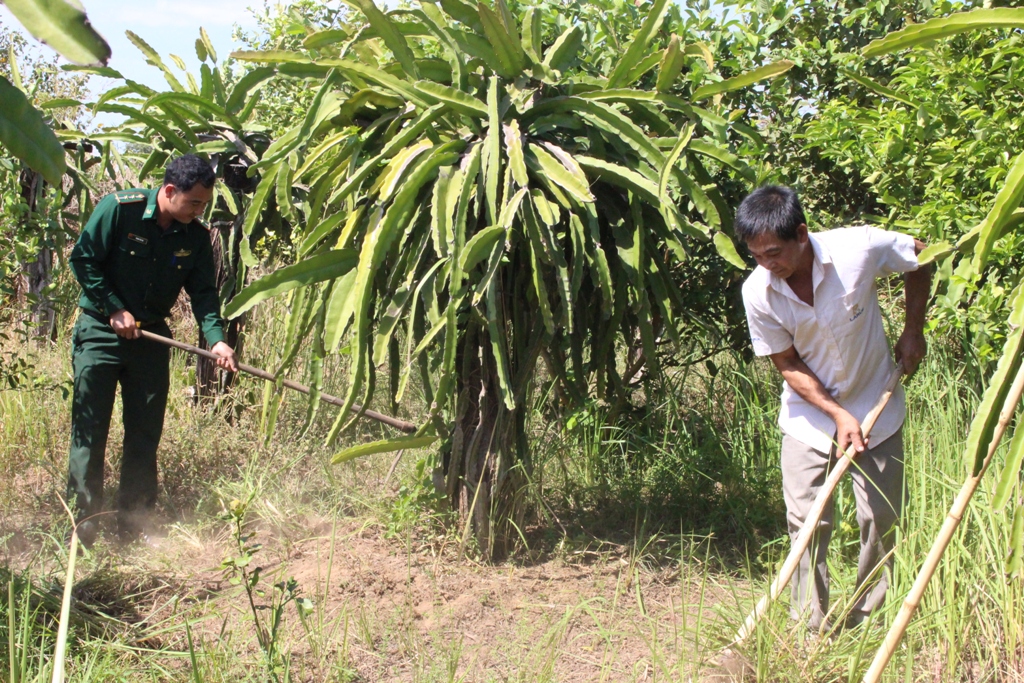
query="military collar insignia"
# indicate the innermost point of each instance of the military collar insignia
(136, 238)
(150, 212)
(129, 196)
(182, 253)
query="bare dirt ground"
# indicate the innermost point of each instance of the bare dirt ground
(405, 610)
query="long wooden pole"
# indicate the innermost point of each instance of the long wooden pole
(400, 425)
(803, 539)
(949, 527)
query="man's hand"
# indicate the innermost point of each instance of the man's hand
(123, 323)
(910, 349)
(225, 356)
(848, 432)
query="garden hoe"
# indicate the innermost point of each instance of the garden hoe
(803, 539)
(400, 425)
(949, 527)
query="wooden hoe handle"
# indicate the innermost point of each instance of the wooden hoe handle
(400, 425)
(803, 539)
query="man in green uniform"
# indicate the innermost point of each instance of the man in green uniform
(139, 248)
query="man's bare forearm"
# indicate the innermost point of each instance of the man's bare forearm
(807, 385)
(917, 286)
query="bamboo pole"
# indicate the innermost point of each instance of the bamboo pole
(949, 527)
(400, 425)
(803, 539)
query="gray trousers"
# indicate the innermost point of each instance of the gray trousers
(879, 490)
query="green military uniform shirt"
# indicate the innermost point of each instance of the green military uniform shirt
(123, 259)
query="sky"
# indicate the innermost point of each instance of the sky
(170, 27)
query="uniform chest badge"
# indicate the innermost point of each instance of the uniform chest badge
(182, 253)
(857, 312)
(136, 238)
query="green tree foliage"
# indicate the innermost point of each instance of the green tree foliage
(34, 215)
(23, 131)
(934, 140)
(822, 39)
(509, 190)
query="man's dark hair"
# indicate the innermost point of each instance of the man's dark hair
(769, 210)
(188, 170)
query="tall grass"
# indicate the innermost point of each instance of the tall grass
(686, 487)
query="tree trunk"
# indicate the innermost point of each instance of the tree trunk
(225, 239)
(38, 273)
(487, 470)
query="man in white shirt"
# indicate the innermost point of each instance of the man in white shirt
(812, 307)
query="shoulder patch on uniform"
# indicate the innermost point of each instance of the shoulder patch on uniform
(201, 224)
(129, 196)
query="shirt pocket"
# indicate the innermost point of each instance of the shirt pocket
(137, 247)
(854, 311)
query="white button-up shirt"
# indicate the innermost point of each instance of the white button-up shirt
(841, 337)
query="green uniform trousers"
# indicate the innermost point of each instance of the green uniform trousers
(102, 360)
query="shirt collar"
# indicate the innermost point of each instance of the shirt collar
(821, 257)
(150, 213)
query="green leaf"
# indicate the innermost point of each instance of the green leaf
(637, 49)
(671, 66)
(970, 238)
(480, 246)
(703, 51)
(943, 27)
(396, 85)
(237, 98)
(533, 30)
(514, 149)
(743, 80)
(617, 174)
(507, 48)
(641, 69)
(985, 419)
(499, 338)
(464, 12)
(252, 215)
(104, 71)
(874, 86)
(193, 100)
(154, 57)
(727, 250)
(935, 252)
(165, 131)
(456, 99)
(315, 41)
(376, 244)
(339, 311)
(1015, 560)
(63, 26)
(27, 136)
(359, 100)
(542, 161)
(710, 149)
(1008, 199)
(270, 56)
(385, 446)
(492, 151)
(1010, 476)
(685, 136)
(391, 36)
(327, 266)
(562, 53)
(204, 37)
